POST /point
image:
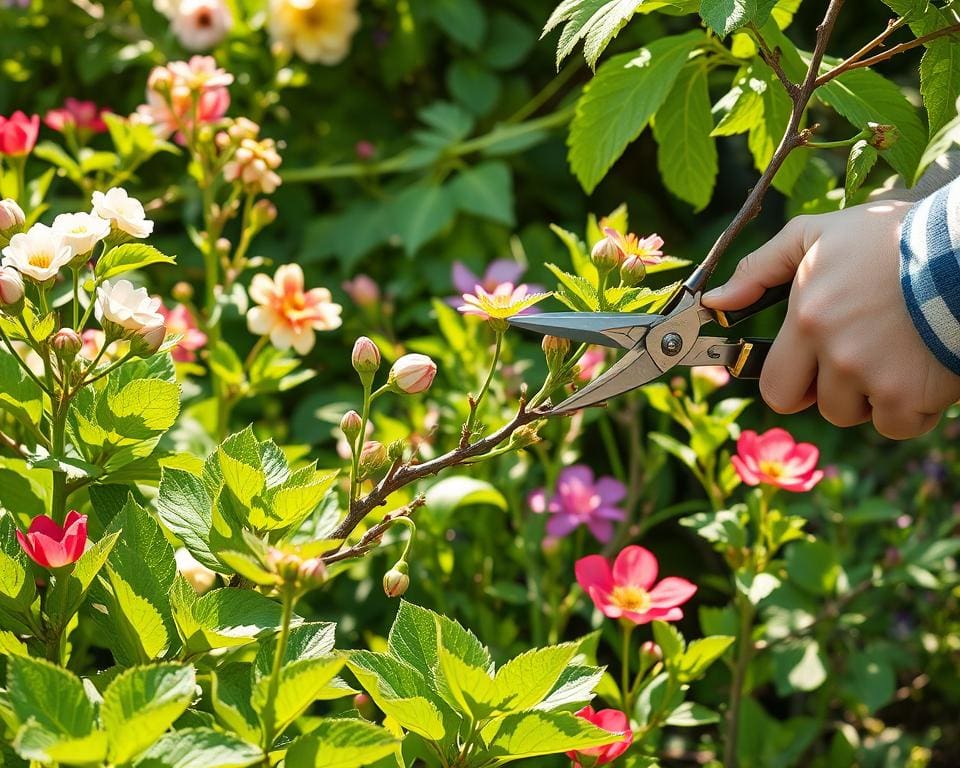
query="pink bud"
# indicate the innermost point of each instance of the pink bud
(11, 288)
(363, 290)
(51, 545)
(651, 650)
(396, 580)
(12, 217)
(67, 344)
(312, 572)
(412, 374)
(632, 271)
(365, 150)
(350, 425)
(606, 255)
(366, 356)
(373, 456)
(148, 340)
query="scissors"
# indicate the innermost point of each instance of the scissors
(656, 343)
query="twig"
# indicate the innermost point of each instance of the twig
(855, 62)
(13, 445)
(372, 537)
(410, 473)
(772, 58)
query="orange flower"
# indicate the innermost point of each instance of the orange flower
(287, 313)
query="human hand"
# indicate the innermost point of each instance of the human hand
(848, 342)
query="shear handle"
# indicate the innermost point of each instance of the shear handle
(770, 298)
(749, 363)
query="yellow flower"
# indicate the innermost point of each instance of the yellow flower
(317, 30)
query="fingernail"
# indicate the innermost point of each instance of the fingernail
(715, 293)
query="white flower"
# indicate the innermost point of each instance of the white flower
(81, 231)
(130, 308)
(124, 212)
(38, 253)
(200, 25)
(200, 577)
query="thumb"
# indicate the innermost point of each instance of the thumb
(773, 264)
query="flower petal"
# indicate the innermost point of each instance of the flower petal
(561, 524)
(593, 571)
(635, 566)
(671, 592)
(601, 529)
(611, 490)
(776, 444)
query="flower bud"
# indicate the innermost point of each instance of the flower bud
(12, 217)
(651, 650)
(363, 290)
(285, 564)
(145, 342)
(632, 271)
(365, 150)
(555, 349)
(182, 292)
(606, 255)
(372, 457)
(67, 344)
(396, 450)
(412, 374)
(264, 213)
(884, 136)
(525, 436)
(11, 290)
(312, 573)
(350, 425)
(396, 580)
(365, 357)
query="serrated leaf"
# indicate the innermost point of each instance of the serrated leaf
(596, 22)
(36, 743)
(200, 748)
(127, 257)
(49, 696)
(686, 152)
(66, 596)
(944, 139)
(617, 104)
(534, 734)
(573, 689)
(301, 683)
(229, 617)
(341, 743)
(19, 395)
(860, 162)
(141, 703)
(524, 681)
(742, 106)
(724, 16)
(472, 688)
(699, 655)
(184, 506)
(578, 290)
(669, 639)
(231, 692)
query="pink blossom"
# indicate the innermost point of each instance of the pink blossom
(612, 720)
(648, 249)
(18, 134)
(183, 90)
(714, 376)
(775, 458)
(591, 363)
(200, 25)
(581, 500)
(628, 589)
(52, 545)
(180, 322)
(85, 116)
(363, 290)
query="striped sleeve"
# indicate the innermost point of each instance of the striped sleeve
(930, 271)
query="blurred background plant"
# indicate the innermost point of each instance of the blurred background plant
(423, 141)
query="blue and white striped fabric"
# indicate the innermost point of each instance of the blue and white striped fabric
(930, 271)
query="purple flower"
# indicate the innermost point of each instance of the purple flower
(497, 273)
(578, 500)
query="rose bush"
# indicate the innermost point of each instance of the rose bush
(257, 382)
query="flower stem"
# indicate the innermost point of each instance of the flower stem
(361, 439)
(744, 655)
(288, 598)
(475, 406)
(627, 630)
(58, 426)
(76, 298)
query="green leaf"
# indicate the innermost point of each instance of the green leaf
(596, 22)
(485, 190)
(870, 679)
(863, 96)
(798, 666)
(942, 141)
(141, 703)
(618, 103)
(524, 681)
(534, 734)
(185, 508)
(765, 134)
(300, 685)
(199, 748)
(813, 566)
(309, 640)
(49, 696)
(341, 743)
(36, 743)
(756, 587)
(19, 395)
(226, 364)
(240, 464)
(419, 213)
(231, 690)
(674, 447)
(456, 492)
(686, 152)
(576, 291)
(692, 715)
(463, 20)
(669, 639)
(413, 638)
(742, 107)
(860, 162)
(473, 85)
(229, 617)
(472, 688)
(66, 596)
(724, 16)
(573, 689)
(699, 655)
(127, 257)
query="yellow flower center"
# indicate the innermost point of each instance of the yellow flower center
(42, 260)
(631, 598)
(772, 469)
(313, 17)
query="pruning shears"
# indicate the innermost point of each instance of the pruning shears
(656, 343)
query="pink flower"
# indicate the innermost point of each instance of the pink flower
(180, 322)
(363, 290)
(591, 363)
(628, 591)
(497, 273)
(412, 374)
(183, 90)
(254, 165)
(714, 376)
(503, 302)
(84, 116)
(51, 546)
(579, 500)
(612, 720)
(18, 134)
(775, 458)
(200, 25)
(288, 313)
(647, 249)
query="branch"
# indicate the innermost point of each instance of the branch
(772, 58)
(409, 473)
(372, 537)
(856, 61)
(792, 138)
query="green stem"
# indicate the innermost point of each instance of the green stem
(840, 144)
(58, 427)
(475, 406)
(627, 630)
(361, 439)
(744, 655)
(76, 298)
(550, 383)
(288, 598)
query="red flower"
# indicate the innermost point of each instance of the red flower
(51, 546)
(612, 720)
(18, 133)
(775, 458)
(85, 116)
(627, 590)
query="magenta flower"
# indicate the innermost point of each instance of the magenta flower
(775, 458)
(179, 321)
(580, 500)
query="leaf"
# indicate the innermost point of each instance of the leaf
(35, 743)
(141, 703)
(692, 715)
(617, 104)
(341, 743)
(49, 696)
(860, 162)
(534, 734)
(300, 685)
(813, 566)
(485, 190)
(413, 638)
(870, 679)
(229, 617)
(573, 689)
(19, 395)
(699, 655)
(669, 639)
(226, 364)
(419, 213)
(472, 688)
(453, 493)
(524, 681)
(230, 693)
(66, 596)
(756, 586)
(200, 748)
(579, 295)
(473, 85)
(743, 106)
(724, 16)
(127, 257)
(463, 20)
(798, 666)
(141, 409)
(185, 508)
(686, 152)
(240, 465)
(596, 22)
(765, 134)
(941, 142)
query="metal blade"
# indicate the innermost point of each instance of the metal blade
(712, 351)
(633, 370)
(611, 329)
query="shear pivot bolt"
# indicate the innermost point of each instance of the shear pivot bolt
(671, 344)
